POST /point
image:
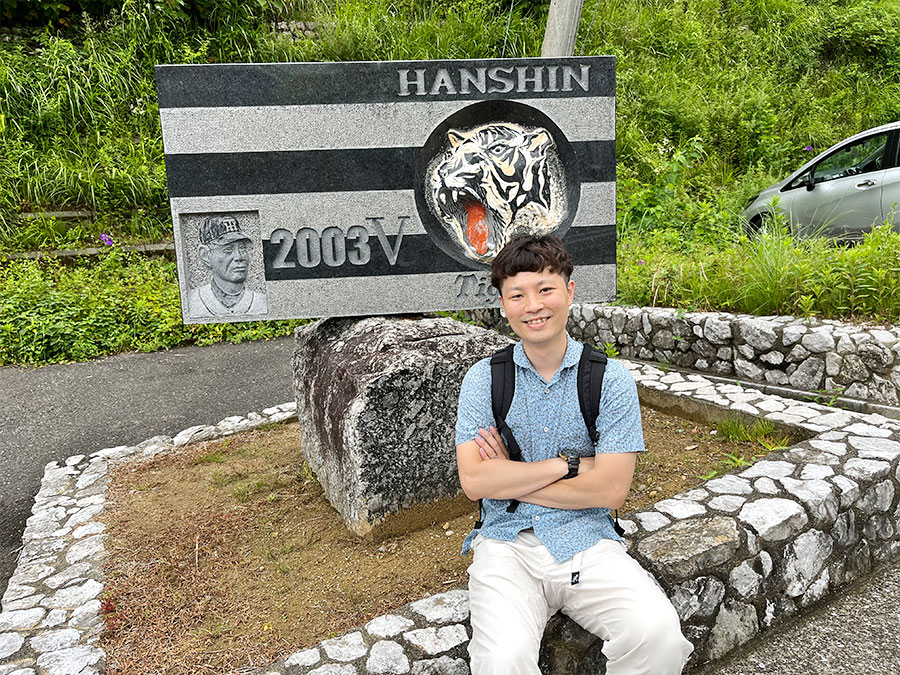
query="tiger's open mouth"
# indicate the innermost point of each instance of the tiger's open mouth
(477, 221)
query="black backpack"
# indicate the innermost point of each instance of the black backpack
(591, 367)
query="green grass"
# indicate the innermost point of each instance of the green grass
(769, 274)
(761, 432)
(736, 430)
(47, 233)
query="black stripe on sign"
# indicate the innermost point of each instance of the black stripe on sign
(591, 244)
(267, 84)
(417, 254)
(259, 173)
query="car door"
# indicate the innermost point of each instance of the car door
(846, 195)
(890, 185)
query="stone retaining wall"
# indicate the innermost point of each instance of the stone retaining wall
(859, 362)
(736, 555)
(743, 551)
(50, 615)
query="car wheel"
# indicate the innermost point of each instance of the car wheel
(753, 226)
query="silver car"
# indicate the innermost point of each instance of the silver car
(842, 192)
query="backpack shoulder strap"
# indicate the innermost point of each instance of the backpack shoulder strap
(503, 383)
(503, 388)
(591, 368)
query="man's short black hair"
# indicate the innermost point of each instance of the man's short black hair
(530, 253)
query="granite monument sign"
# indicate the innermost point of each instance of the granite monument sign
(338, 189)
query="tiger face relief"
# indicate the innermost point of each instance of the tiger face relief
(493, 182)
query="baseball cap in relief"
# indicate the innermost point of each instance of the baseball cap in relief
(221, 230)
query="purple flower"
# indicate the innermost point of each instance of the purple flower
(641, 262)
(626, 246)
(106, 239)
(809, 148)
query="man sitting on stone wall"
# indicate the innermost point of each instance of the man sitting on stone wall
(558, 550)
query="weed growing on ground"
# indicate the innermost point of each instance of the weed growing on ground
(733, 429)
(735, 461)
(214, 457)
(610, 350)
(827, 397)
(761, 432)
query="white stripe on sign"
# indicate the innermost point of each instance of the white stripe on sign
(349, 126)
(597, 206)
(316, 210)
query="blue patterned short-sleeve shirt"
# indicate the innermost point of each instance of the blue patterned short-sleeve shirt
(545, 418)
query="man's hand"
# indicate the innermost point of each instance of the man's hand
(486, 472)
(602, 481)
(490, 444)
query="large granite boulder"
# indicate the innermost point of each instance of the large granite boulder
(376, 400)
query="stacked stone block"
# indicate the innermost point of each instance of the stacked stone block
(813, 355)
(426, 637)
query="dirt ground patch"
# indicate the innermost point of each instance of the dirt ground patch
(225, 555)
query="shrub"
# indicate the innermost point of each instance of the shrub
(52, 312)
(202, 12)
(769, 274)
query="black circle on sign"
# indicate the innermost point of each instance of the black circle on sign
(486, 112)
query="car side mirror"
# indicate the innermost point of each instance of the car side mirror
(809, 182)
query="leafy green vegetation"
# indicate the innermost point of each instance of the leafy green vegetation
(715, 100)
(735, 430)
(79, 121)
(769, 274)
(51, 312)
(760, 432)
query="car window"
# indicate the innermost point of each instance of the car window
(863, 156)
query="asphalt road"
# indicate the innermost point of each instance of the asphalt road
(56, 411)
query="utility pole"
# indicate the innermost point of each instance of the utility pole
(562, 27)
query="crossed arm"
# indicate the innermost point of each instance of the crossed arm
(486, 472)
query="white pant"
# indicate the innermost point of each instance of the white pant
(514, 588)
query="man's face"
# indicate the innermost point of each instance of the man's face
(229, 262)
(537, 305)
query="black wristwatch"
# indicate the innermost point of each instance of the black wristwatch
(573, 461)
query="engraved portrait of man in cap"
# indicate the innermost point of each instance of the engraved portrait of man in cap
(225, 250)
